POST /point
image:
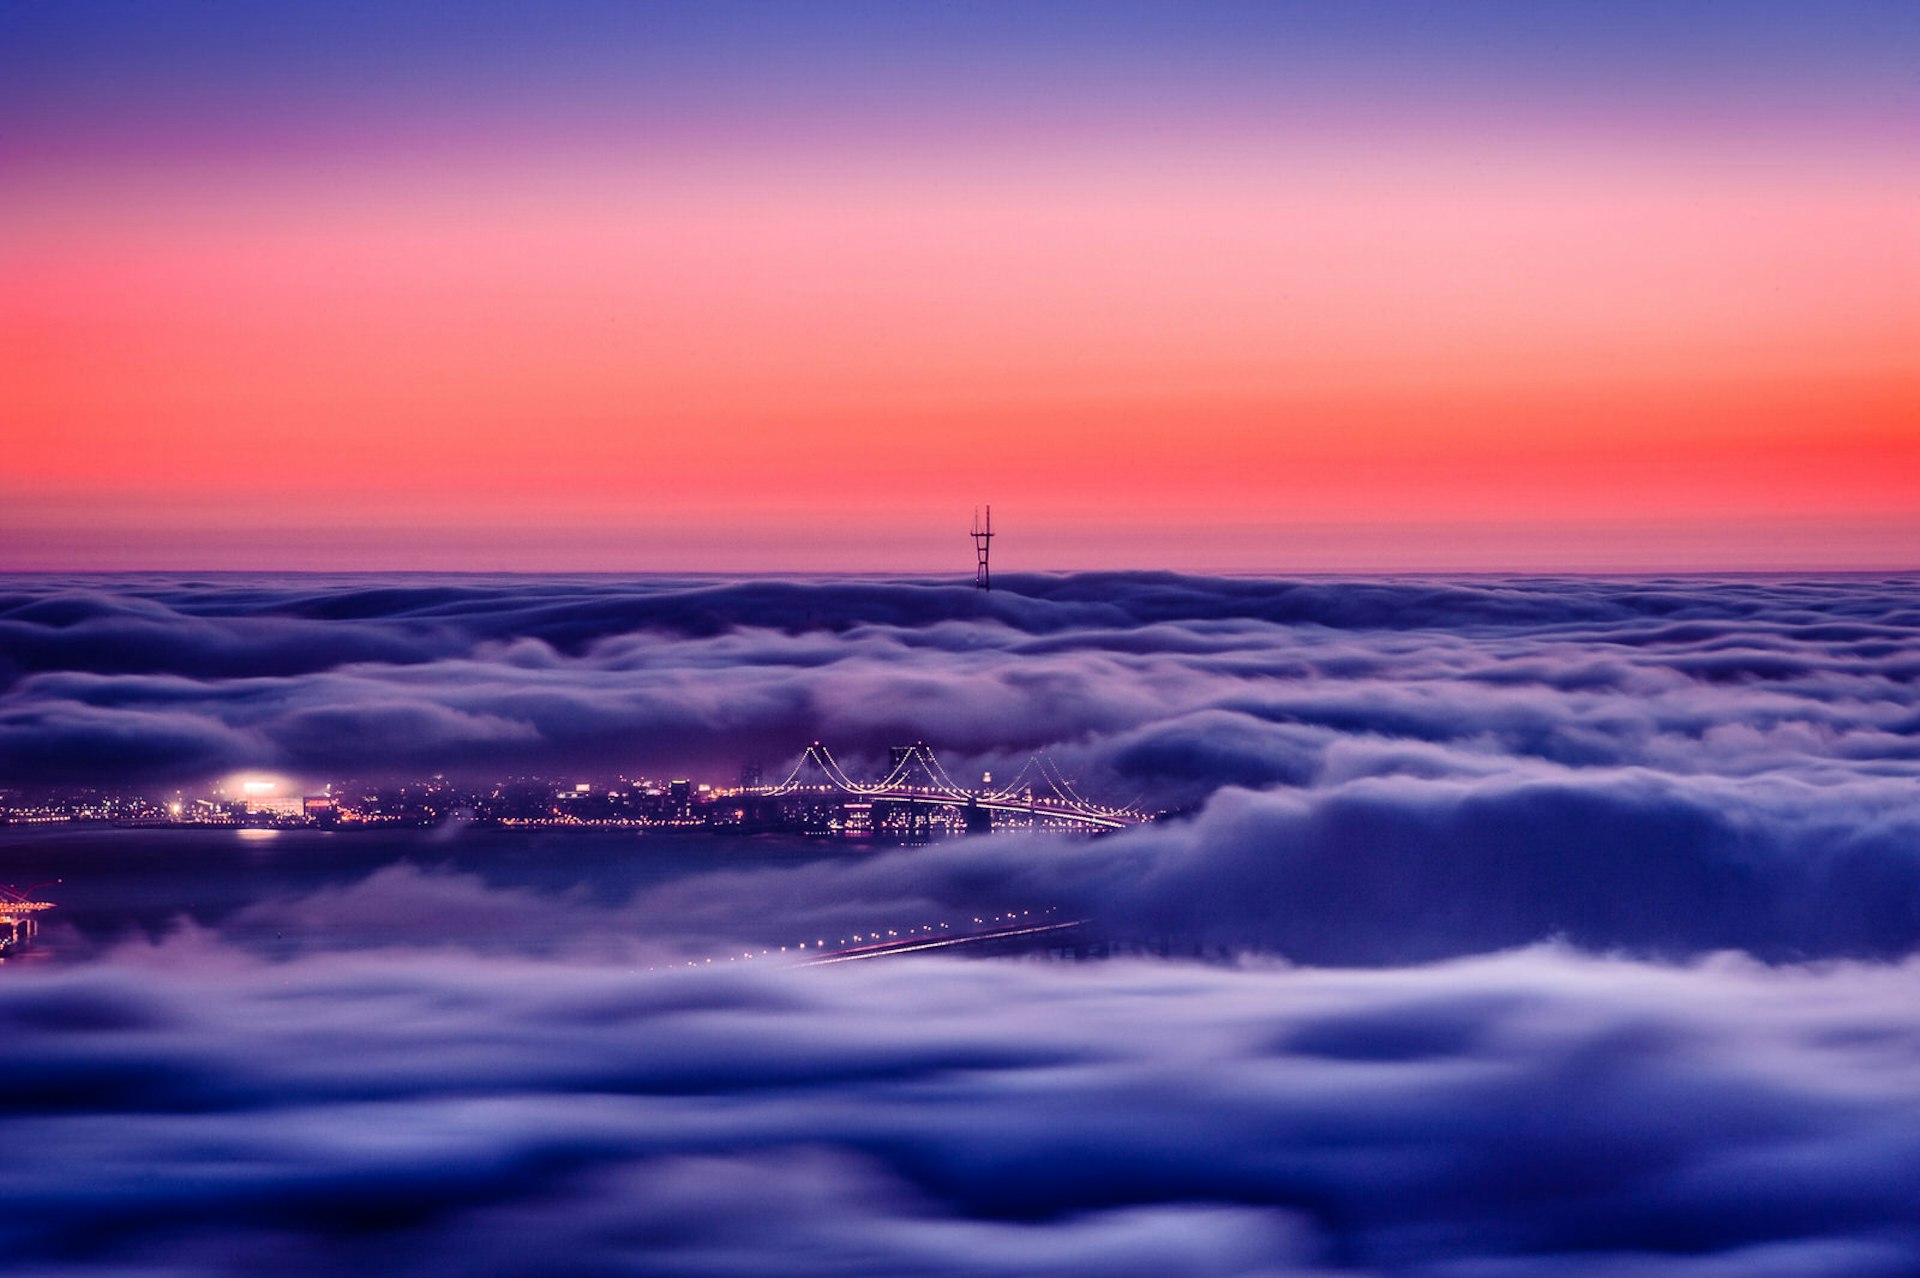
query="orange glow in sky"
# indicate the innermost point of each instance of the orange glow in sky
(1246, 355)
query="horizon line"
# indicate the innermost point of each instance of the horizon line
(960, 578)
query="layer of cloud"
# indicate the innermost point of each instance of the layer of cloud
(1538, 837)
(1128, 675)
(181, 1108)
(1376, 871)
(1377, 771)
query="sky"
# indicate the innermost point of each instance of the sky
(764, 287)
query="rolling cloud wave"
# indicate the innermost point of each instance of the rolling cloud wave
(176, 679)
(194, 1111)
(1604, 898)
(1382, 771)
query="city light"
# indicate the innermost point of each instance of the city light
(916, 802)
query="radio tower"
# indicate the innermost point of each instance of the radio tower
(982, 543)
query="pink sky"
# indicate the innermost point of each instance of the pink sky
(1238, 350)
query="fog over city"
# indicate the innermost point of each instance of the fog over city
(907, 639)
(1492, 927)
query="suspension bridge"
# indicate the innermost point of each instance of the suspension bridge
(1038, 794)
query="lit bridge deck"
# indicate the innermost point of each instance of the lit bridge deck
(1038, 791)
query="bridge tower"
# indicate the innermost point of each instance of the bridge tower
(982, 543)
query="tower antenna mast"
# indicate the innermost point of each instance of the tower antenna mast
(982, 544)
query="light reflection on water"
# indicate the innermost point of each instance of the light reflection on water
(141, 884)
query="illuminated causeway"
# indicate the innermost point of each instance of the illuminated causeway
(983, 931)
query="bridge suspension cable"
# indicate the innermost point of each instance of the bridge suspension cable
(938, 774)
(1025, 793)
(1061, 785)
(1049, 773)
(1013, 788)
